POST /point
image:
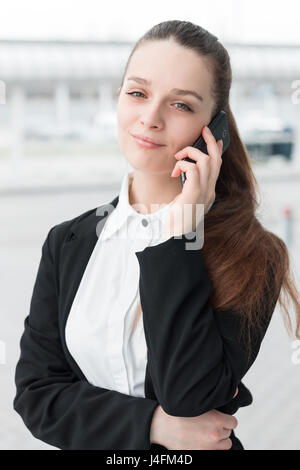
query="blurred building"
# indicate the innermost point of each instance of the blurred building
(64, 93)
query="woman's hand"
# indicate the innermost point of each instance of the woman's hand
(199, 187)
(209, 431)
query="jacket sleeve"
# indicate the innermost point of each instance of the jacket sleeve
(195, 358)
(56, 405)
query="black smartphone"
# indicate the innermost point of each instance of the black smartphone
(219, 129)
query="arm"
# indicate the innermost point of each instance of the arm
(194, 357)
(55, 405)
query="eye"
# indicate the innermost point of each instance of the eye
(187, 108)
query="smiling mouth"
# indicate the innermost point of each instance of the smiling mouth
(145, 144)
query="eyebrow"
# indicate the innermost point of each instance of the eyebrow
(176, 91)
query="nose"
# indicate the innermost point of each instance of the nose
(152, 117)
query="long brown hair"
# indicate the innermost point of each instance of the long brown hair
(249, 266)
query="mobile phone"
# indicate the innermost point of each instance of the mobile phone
(219, 129)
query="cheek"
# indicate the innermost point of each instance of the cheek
(183, 135)
(192, 133)
(122, 115)
(125, 113)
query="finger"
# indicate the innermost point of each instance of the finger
(209, 163)
(228, 421)
(189, 168)
(195, 154)
(192, 152)
(225, 444)
(236, 392)
(199, 157)
(204, 165)
(211, 143)
(225, 433)
(220, 145)
(214, 150)
(202, 161)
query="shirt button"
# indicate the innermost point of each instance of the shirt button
(145, 222)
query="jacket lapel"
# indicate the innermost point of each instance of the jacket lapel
(75, 253)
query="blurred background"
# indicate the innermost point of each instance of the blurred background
(61, 63)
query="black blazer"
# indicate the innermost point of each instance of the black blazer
(194, 360)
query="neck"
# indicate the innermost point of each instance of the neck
(148, 189)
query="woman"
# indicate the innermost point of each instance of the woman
(134, 341)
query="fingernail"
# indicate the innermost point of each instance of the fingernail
(207, 129)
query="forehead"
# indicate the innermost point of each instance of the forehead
(166, 63)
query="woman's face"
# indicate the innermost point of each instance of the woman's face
(157, 112)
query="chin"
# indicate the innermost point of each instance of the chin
(140, 160)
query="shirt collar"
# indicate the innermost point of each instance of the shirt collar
(124, 210)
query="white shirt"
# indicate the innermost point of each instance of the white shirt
(98, 328)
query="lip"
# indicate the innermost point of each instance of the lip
(146, 142)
